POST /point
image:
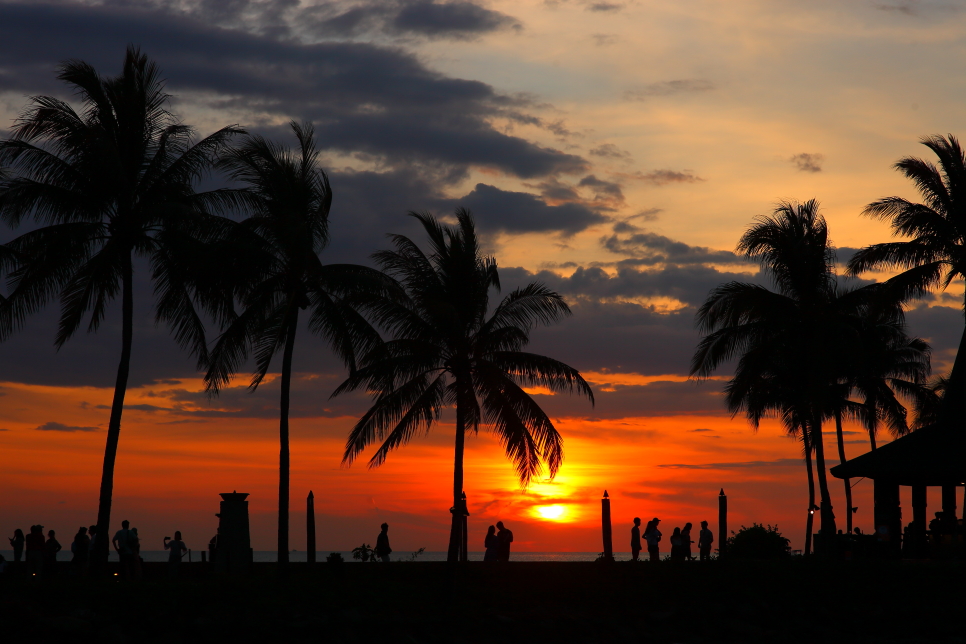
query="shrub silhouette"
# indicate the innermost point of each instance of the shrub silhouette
(758, 542)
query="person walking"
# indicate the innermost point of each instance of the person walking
(178, 550)
(653, 537)
(80, 547)
(34, 544)
(123, 543)
(16, 542)
(504, 538)
(686, 541)
(51, 548)
(636, 539)
(705, 539)
(382, 544)
(492, 545)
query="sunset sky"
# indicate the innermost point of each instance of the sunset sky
(614, 150)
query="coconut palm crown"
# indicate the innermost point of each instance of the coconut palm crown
(447, 349)
(107, 184)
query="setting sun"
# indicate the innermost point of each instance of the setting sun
(552, 512)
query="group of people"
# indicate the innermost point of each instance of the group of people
(41, 553)
(680, 541)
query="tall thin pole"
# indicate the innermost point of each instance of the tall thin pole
(722, 523)
(310, 528)
(605, 525)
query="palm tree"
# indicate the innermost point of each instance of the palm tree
(936, 253)
(448, 350)
(270, 264)
(108, 184)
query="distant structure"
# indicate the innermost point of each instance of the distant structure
(606, 527)
(234, 535)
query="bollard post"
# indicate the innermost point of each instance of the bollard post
(605, 525)
(722, 523)
(204, 557)
(310, 528)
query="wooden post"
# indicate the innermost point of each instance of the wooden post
(606, 527)
(919, 522)
(464, 542)
(310, 528)
(949, 508)
(722, 523)
(888, 521)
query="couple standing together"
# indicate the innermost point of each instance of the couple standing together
(497, 543)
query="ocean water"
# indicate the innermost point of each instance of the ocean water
(271, 555)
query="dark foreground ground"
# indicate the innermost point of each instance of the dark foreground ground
(797, 601)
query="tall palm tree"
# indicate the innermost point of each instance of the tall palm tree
(936, 253)
(110, 183)
(447, 349)
(270, 264)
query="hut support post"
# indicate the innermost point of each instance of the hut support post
(606, 528)
(722, 523)
(919, 521)
(888, 522)
(949, 507)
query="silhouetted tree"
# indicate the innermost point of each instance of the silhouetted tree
(447, 349)
(936, 253)
(270, 264)
(108, 184)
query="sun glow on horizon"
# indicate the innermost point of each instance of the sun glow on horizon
(552, 512)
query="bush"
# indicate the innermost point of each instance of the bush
(335, 558)
(758, 542)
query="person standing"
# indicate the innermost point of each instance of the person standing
(123, 543)
(686, 541)
(136, 551)
(17, 544)
(504, 538)
(51, 548)
(34, 544)
(178, 550)
(677, 547)
(492, 545)
(705, 539)
(653, 537)
(382, 544)
(80, 547)
(636, 539)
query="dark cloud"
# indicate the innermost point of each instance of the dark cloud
(60, 427)
(669, 88)
(364, 98)
(654, 399)
(521, 212)
(650, 248)
(602, 189)
(780, 462)
(604, 7)
(459, 19)
(807, 161)
(610, 151)
(664, 177)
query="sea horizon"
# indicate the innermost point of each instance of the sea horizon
(268, 556)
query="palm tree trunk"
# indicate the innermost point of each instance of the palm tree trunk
(101, 550)
(811, 492)
(827, 525)
(840, 438)
(456, 531)
(872, 438)
(954, 399)
(283, 453)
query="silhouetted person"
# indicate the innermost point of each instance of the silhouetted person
(136, 547)
(653, 537)
(51, 548)
(123, 543)
(705, 539)
(34, 544)
(382, 544)
(492, 545)
(16, 542)
(92, 533)
(636, 539)
(686, 541)
(81, 548)
(677, 545)
(504, 538)
(178, 550)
